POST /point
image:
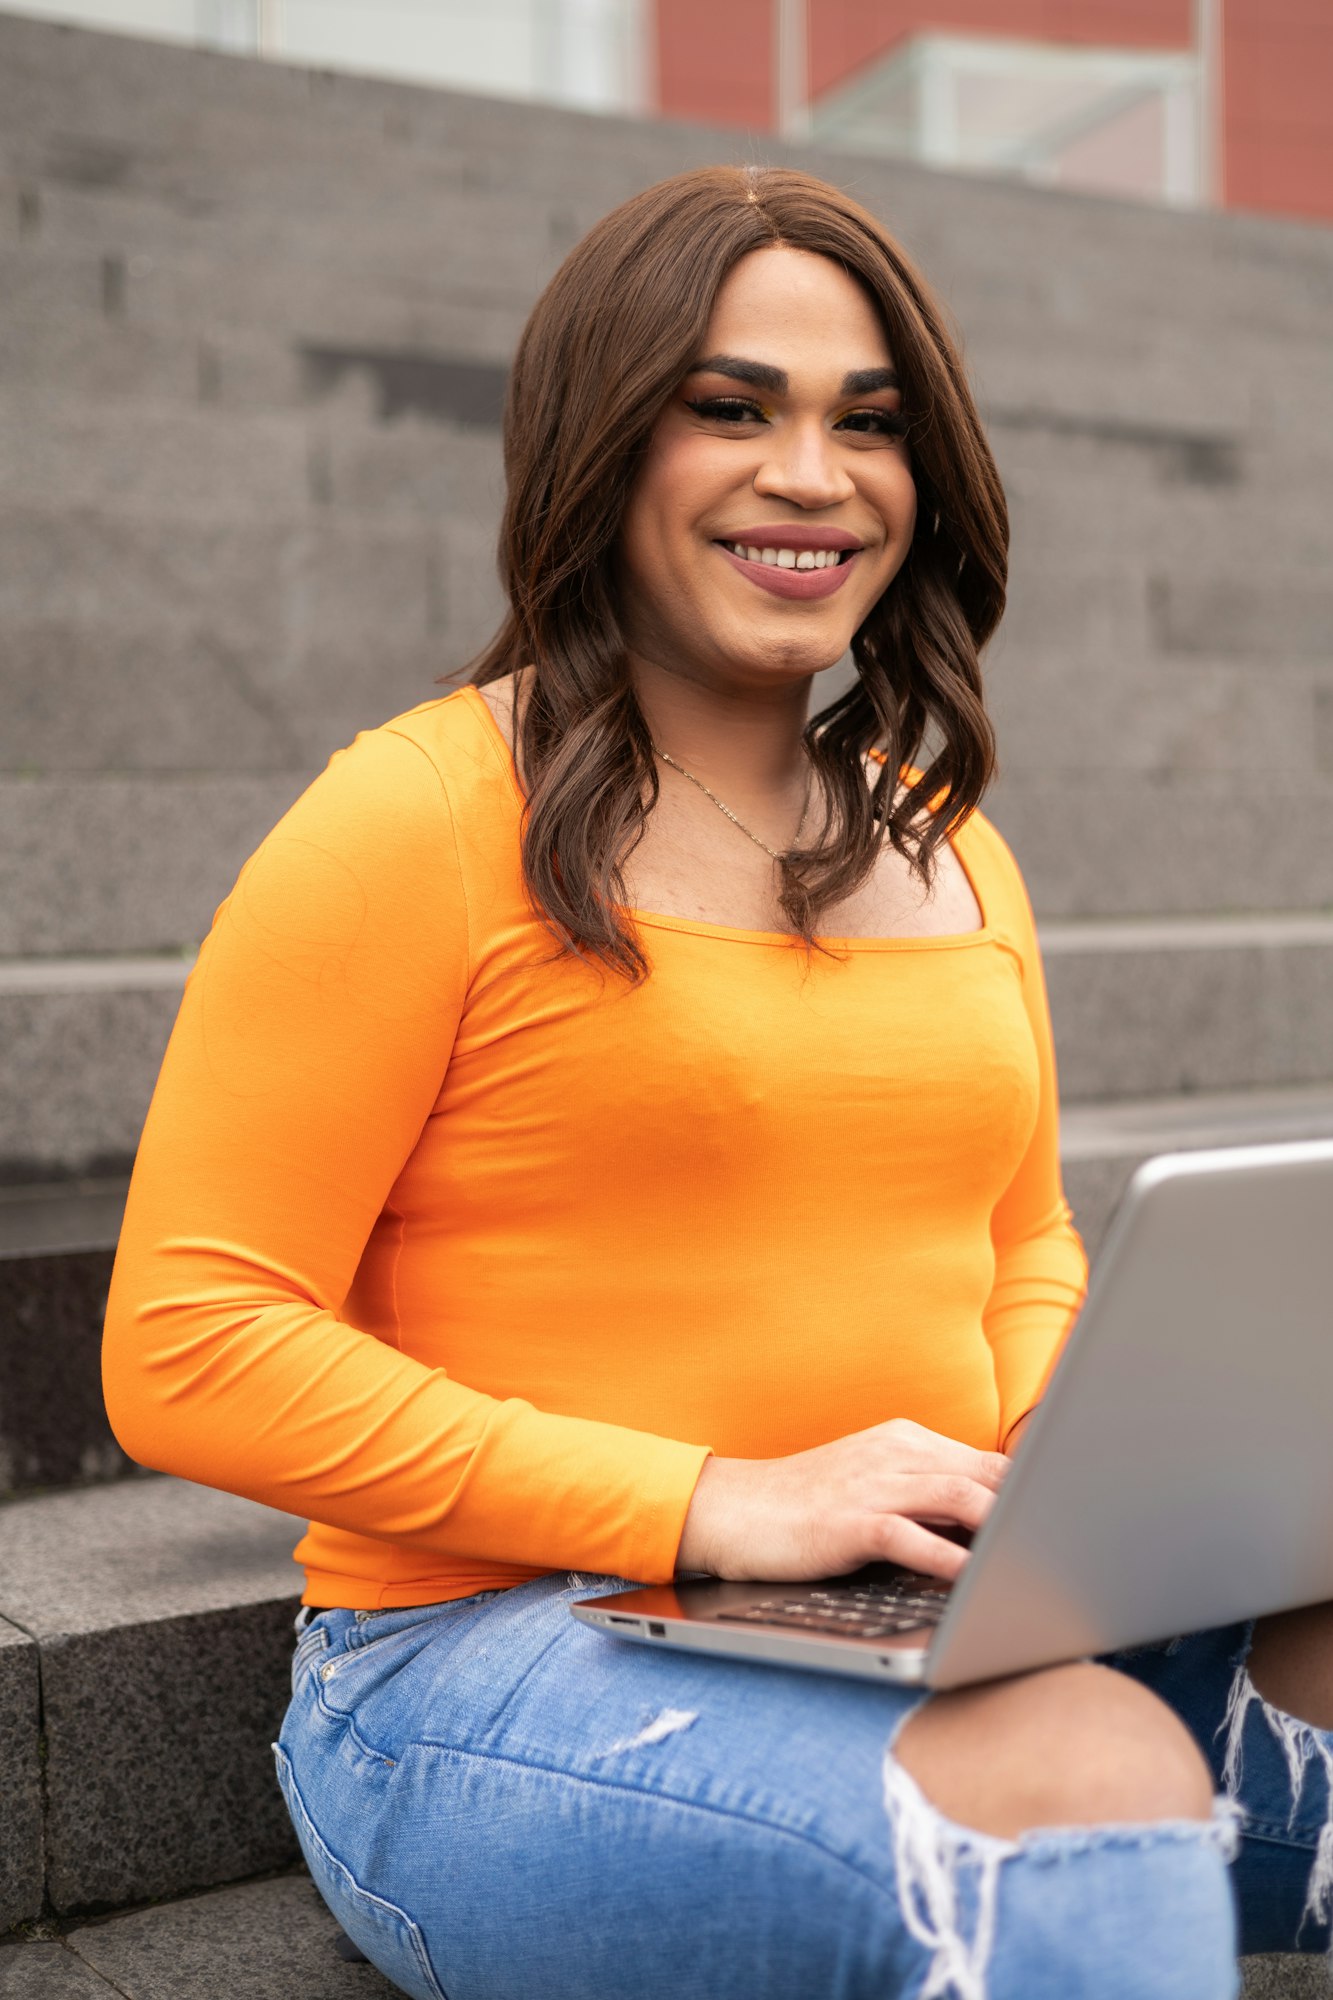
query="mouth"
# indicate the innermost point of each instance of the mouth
(802, 563)
(776, 556)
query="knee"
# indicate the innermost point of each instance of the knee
(1070, 1746)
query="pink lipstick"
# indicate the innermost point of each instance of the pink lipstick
(791, 582)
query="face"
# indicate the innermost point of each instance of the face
(776, 500)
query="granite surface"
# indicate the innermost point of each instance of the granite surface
(1284, 1977)
(20, 1779)
(135, 1551)
(159, 1774)
(53, 1425)
(163, 1613)
(271, 1940)
(48, 1970)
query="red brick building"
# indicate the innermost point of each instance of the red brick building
(1242, 86)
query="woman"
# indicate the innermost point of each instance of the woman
(611, 1130)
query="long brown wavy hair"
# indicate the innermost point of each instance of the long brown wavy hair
(608, 343)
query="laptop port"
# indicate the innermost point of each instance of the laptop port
(656, 1631)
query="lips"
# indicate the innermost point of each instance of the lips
(795, 582)
(792, 535)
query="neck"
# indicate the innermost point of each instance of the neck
(747, 738)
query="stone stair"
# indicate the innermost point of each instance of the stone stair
(254, 325)
(149, 1623)
(269, 1939)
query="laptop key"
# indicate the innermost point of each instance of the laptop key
(813, 1621)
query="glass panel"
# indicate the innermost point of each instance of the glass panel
(588, 53)
(165, 20)
(1114, 121)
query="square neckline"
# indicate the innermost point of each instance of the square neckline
(696, 926)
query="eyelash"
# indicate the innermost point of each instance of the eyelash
(730, 409)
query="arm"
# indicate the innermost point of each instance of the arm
(308, 1053)
(1041, 1270)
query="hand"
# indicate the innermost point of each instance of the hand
(863, 1498)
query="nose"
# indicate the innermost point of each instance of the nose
(802, 464)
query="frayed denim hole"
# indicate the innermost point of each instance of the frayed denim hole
(594, 1584)
(1303, 1748)
(1049, 1845)
(929, 1850)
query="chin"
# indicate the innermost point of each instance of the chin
(796, 654)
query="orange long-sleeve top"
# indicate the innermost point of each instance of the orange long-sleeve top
(469, 1252)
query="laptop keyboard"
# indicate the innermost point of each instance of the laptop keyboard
(855, 1611)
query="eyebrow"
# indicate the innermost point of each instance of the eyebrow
(762, 375)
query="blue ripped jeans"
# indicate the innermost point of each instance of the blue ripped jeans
(499, 1803)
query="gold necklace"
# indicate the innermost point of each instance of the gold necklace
(772, 852)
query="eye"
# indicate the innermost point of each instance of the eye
(726, 409)
(876, 423)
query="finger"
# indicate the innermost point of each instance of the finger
(912, 1545)
(940, 1496)
(991, 1468)
(912, 1444)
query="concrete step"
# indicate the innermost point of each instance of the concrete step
(126, 864)
(157, 1616)
(1173, 1005)
(53, 1427)
(129, 861)
(22, 1865)
(272, 1939)
(1094, 842)
(1101, 1144)
(235, 646)
(1169, 718)
(57, 1243)
(84, 1041)
(276, 1940)
(1140, 1007)
(56, 1248)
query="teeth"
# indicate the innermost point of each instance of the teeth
(786, 558)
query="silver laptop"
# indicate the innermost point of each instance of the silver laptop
(1178, 1474)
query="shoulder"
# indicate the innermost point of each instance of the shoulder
(395, 795)
(991, 851)
(443, 759)
(459, 735)
(999, 883)
(983, 849)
